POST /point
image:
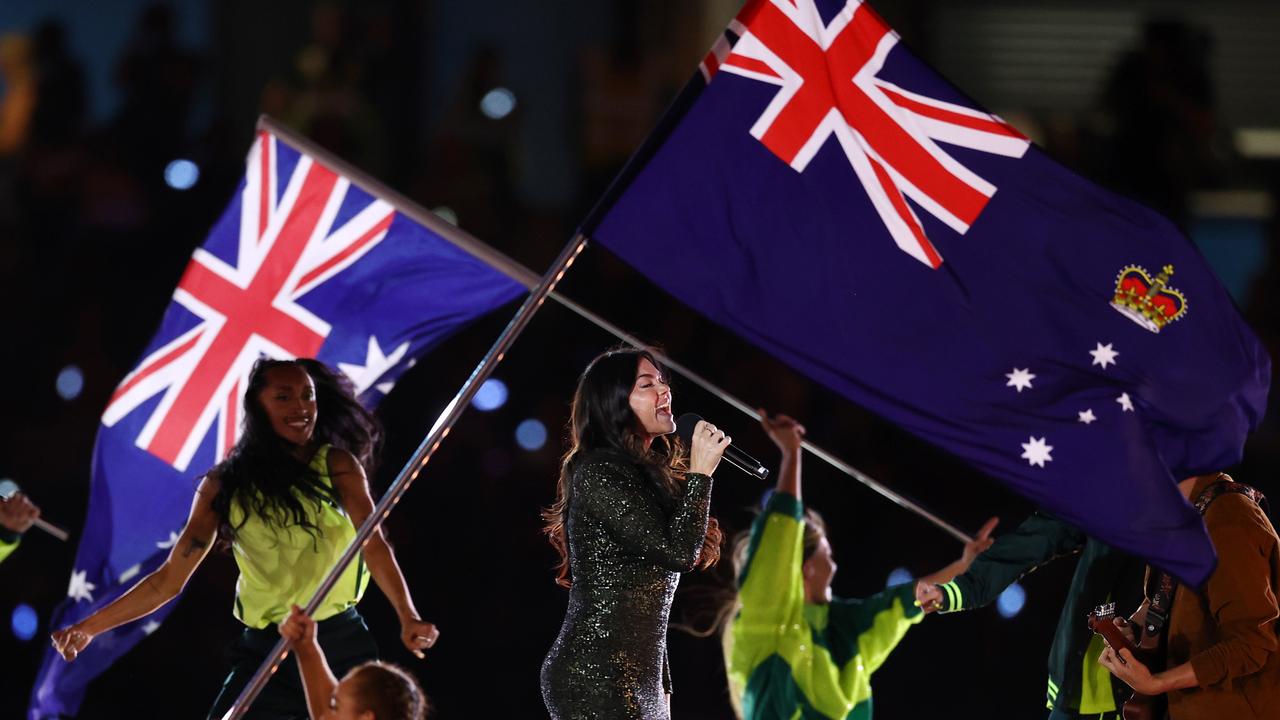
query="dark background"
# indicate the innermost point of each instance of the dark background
(1173, 103)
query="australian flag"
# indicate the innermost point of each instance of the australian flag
(303, 263)
(822, 192)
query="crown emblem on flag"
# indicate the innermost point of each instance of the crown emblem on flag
(1150, 303)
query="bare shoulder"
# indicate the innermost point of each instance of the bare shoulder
(342, 462)
(210, 484)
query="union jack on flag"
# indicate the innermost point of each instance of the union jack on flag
(826, 72)
(303, 263)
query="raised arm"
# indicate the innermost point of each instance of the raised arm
(318, 681)
(353, 489)
(158, 588)
(1038, 540)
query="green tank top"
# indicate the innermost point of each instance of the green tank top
(280, 567)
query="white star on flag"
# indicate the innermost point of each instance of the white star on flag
(1019, 379)
(80, 587)
(375, 366)
(150, 627)
(1086, 416)
(1126, 405)
(166, 544)
(1104, 355)
(1037, 452)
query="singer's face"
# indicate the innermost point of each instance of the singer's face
(819, 570)
(290, 401)
(651, 401)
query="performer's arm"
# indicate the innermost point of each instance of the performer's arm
(972, 549)
(17, 514)
(318, 681)
(353, 491)
(1038, 540)
(1239, 598)
(613, 492)
(158, 588)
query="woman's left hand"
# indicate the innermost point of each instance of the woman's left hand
(980, 542)
(418, 635)
(1132, 671)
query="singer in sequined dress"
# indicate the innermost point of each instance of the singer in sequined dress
(631, 514)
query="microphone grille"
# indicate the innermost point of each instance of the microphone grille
(685, 424)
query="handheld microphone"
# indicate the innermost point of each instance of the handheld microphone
(736, 458)
(9, 488)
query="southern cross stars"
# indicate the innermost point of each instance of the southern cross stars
(1104, 355)
(1086, 416)
(1126, 405)
(80, 587)
(1020, 379)
(1036, 452)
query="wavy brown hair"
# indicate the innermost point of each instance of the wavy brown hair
(601, 419)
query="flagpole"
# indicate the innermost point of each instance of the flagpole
(444, 423)
(521, 274)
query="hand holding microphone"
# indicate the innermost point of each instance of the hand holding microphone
(707, 444)
(18, 513)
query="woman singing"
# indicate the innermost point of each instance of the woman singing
(629, 517)
(288, 498)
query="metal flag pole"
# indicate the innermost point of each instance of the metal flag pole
(521, 274)
(444, 423)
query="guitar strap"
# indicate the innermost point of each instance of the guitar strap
(1166, 586)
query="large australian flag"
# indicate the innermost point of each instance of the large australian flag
(823, 193)
(303, 263)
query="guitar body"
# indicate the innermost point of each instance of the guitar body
(1146, 650)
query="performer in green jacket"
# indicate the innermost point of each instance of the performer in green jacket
(792, 650)
(1078, 686)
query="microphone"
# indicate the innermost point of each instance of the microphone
(736, 458)
(9, 488)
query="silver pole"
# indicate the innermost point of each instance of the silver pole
(444, 423)
(529, 279)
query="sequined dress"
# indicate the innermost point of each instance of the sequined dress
(628, 544)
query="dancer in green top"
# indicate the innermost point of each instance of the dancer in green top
(792, 650)
(288, 499)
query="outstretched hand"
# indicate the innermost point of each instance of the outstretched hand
(785, 432)
(980, 542)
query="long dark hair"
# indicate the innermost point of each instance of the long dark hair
(601, 419)
(262, 472)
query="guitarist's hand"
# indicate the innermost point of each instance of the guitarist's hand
(1130, 669)
(1126, 628)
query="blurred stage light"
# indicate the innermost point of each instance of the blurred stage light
(498, 103)
(447, 214)
(70, 382)
(181, 174)
(24, 622)
(491, 395)
(1011, 601)
(899, 576)
(531, 435)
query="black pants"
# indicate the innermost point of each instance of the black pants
(346, 642)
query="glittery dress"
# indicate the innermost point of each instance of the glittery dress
(628, 544)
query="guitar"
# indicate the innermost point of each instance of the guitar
(1146, 650)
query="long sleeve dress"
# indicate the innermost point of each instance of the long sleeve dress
(628, 544)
